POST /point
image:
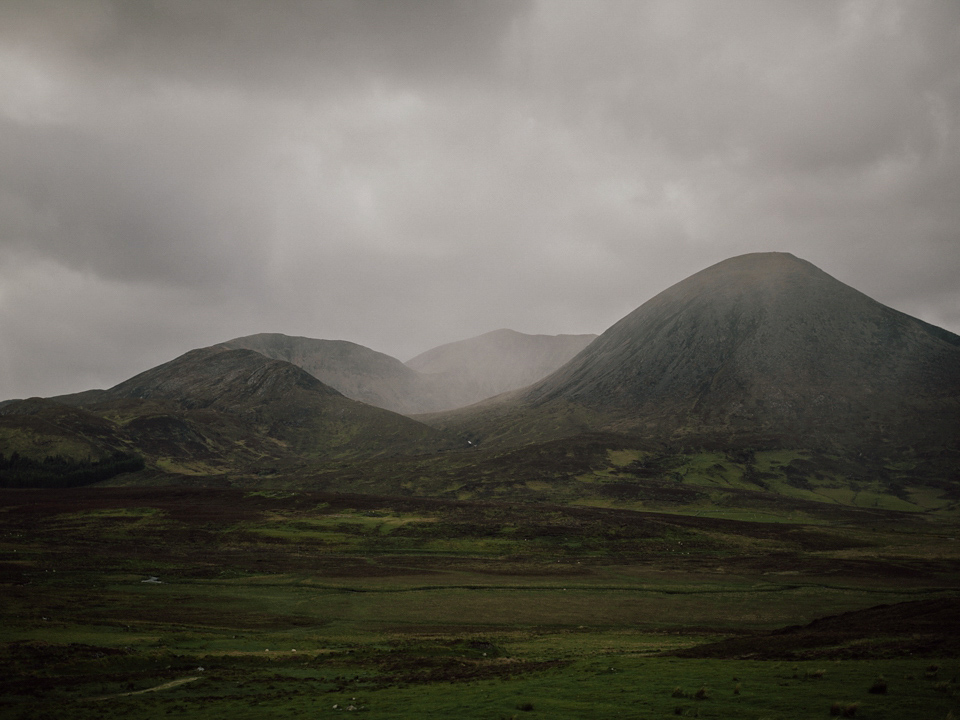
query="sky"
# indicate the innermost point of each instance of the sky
(403, 174)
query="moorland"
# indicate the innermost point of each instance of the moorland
(741, 501)
(213, 602)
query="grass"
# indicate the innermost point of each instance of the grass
(22, 440)
(299, 604)
(433, 680)
(619, 471)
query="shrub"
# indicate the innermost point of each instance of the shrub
(701, 694)
(678, 692)
(879, 686)
(838, 709)
(525, 707)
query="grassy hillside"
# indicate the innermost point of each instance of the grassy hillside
(622, 471)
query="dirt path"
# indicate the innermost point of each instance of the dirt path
(165, 686)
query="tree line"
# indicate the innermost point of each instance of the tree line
(56, 471)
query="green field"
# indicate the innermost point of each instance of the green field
(149, 602)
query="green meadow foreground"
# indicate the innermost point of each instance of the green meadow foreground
(152, 602)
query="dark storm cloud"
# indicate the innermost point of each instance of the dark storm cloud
(403, 174)
(286, 44)
(828, 129)
(100, 203)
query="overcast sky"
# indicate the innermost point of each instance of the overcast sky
(175, 173)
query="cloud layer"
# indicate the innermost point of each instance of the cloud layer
(175, 173)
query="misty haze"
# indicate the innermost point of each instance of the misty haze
(479, 359)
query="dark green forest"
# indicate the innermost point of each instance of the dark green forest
(57, 471)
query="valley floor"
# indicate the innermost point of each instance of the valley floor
(147, 602)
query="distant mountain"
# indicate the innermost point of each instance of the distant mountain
(449, 376)
(495, 362)
(759, 349)
(356, 371)
(211, 411)
(761, 374)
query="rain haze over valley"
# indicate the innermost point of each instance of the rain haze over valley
(405, 175)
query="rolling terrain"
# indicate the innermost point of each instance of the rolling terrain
(212, 602)
(443, 378)
(760, 380)
(742, 500)
(212, 412)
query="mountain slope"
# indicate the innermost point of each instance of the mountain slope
(218, 410)
(356, 371)
(758, 349)
(41, 428)
(280, 400)
(443, 378)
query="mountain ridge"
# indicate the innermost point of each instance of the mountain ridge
(761, 345)
(448, 376)
(758, 374)
(496, 362)
(217, 410)
(354, 370)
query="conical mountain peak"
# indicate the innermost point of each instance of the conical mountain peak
(765, 343)
(778, 279)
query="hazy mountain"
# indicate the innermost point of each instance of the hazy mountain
(761, 348)
(356, 371)
(495, 362)
(446, 377)
(761, 351)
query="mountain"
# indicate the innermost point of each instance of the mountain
(762, 349)
(42, 428)
(495, 362)
(212, 411)
(446, 377)
(760, 380)
(356, 371)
